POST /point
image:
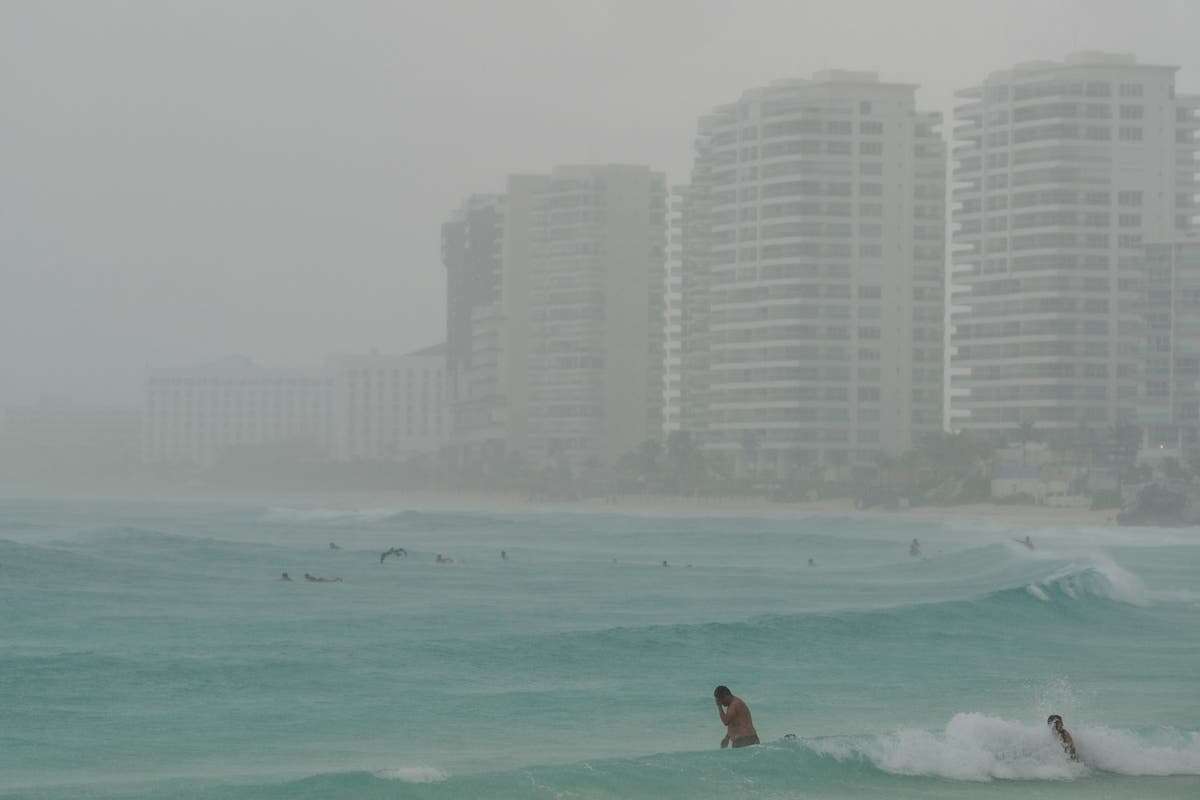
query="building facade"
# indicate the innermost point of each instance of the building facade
(672, 338)
(389, 407)
(196, 415)
(1063, 170)
(813, 282)
(595, 252)
(1169, 408)
(473, 255)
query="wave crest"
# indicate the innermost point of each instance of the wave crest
(978, 747)
(418, 774)
(1099, 576)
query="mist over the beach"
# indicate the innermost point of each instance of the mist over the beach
(681, 399)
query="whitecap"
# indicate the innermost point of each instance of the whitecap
(978, 747)
(417, 774)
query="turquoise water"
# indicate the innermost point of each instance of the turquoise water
(147, 650)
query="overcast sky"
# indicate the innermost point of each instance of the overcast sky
(180, 181)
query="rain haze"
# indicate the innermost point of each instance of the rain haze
(619, 400)
(185, 181)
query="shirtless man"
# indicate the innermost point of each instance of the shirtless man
(735, 716)
(1063, 735)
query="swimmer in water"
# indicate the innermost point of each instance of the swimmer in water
(503, 556)
(399, 552)
(914, 549)
(1027, 541)
(441, 559)
(812, 563)
(284, 577)
(735, 716)
(317, 579)
(1063, 735)
(333, 546)
(665, 564)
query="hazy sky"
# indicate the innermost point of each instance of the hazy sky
(184, 180)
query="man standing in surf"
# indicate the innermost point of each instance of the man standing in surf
(735, 716)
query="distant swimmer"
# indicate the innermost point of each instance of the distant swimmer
(735, 716)
(665, 564)
(398, 552)
(318, 579)
(333, 546)
(1027, 541)
(812, 563)
(503, 556)
(914, 549)
(1064, 736)
(285, 577)
(441, 559)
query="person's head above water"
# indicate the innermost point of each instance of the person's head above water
(723, 695)
(1055, 722)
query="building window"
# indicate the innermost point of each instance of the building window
(1129, 198)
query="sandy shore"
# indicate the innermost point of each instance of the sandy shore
(1017, 516)
(650, 505)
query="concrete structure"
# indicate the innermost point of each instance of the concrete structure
(1169, 405)
(473, 255)
(555, 317)
(389, 407)
(196, 415)
(693, 226)
(673, 312)
(1063, 171)
(814, 280)
(595, 251)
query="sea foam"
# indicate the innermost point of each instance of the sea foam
(1096, 576)
(978, 747)
(417, 774)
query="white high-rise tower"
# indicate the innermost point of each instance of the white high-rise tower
(823, 207)
(1063, 171)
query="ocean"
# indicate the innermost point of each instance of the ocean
(149, 649)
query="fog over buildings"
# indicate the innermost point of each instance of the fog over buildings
(1066, 170)
(807, 236)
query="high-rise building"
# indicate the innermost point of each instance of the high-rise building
(814, 278)
(1063, 171)
(595, 250)
(472, 252)
(692, 225)
(673, 313)
(194, 415)
(389, 407)
(555, 317)
(1169, 406)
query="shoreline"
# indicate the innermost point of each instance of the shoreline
(638, 505)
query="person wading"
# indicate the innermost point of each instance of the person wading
(735, 716)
